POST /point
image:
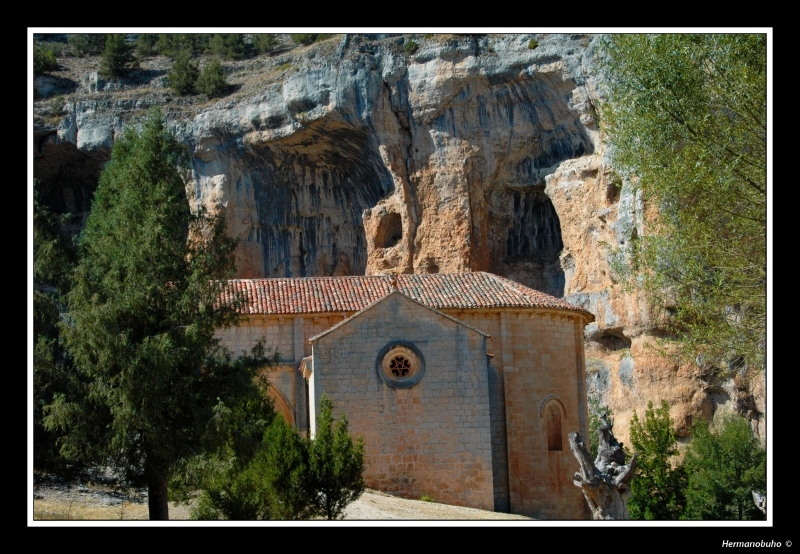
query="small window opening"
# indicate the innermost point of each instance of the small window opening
(399, 366)
(554, 428)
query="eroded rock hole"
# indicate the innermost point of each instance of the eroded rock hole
(535, 231)
(613, 339)
(390, 231)
(533, 242)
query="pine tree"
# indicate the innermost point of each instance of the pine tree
(142, 313)
(335, 464)
(660, 480)
(117, 57)
(211, 81)
(145, 45)
(182, 78)
(724, 467)
(229, 46)
(264, 43)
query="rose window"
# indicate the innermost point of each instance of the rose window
(400, 366)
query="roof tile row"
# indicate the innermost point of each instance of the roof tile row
(307, 295)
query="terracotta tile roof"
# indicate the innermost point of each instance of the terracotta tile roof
(308, 295)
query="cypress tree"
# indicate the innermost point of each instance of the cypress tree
(659, 483)
(141, 317)
(335, 464)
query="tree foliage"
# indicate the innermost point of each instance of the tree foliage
(229, 46)
(182, 77)
(43, 60)
(286, 477)
(145, 45)
(173, 44)
(87, 43)
(724, 467)
(335, 464)
(141, 316)
(660, 480)
(264, 43)
(211, 81)
(53, 261)
(117, 57)
(304, 38)
(686, 123)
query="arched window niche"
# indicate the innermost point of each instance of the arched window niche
(552, 412)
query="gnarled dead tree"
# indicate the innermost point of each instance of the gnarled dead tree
(606, 481)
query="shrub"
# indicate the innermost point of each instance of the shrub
(427, 498)
(724, 468)
(335, 464)
(87, 43)
(533, 44)
(288, 477)
(211, 81)
(43, 60)
(284, 464)
(117, 57)
(182, 78)
(228, 46)
(56, 48)
(304, 39)
(264, 43)
(411, 46)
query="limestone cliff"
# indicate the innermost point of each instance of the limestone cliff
(352, 156)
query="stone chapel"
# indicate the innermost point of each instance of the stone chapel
(464, 386)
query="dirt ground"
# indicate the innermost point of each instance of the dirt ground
(55, 500)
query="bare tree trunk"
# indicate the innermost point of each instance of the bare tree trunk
(606, 481)
(157, 497)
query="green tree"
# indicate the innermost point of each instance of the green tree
(171, 45)
(724, 467)
(659, 483)
(182, 77)
(87, 43)
(211, 81)
(117, 57)
(269, 483)
(142, 312)
(304, 38)
(686, 124)
(145, 45)
(53, 261)
(229, 46)
(335, 464)
(264, 43)
(43, 60)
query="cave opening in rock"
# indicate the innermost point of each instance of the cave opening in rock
(390, 231)
(613, 339)
(533, 241)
